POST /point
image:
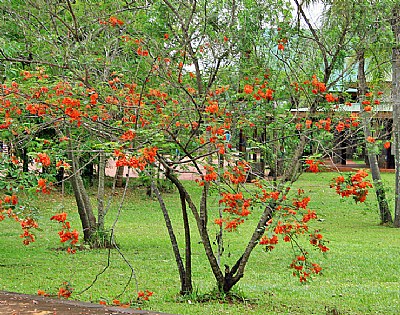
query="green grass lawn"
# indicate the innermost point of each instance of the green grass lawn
(361, 271)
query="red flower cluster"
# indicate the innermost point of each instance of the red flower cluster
(235, 205)
(61, 217)
(148, 156)
(74, 114)
(213, 107)
(370, 139)
(132, 161)
(289, 228)
(26, 225)
(316, 239)
(326, 124)
(310, 215)
(37, 109)
(269, 242)
(239, 173)
(301, 203)
(113, 21)
(248, 89)
(69, 236)
(144, 296)
(13, 200)
(318, 87)
(7, 204)
(65, 291)
(368, 101)
(330, 98)
(210, 175)
(291, 221)
(128, 135)
(281, 43)
(44, 159)
(264, 93)
(354, 185)
(312, 165)
(340, 126)
(42, 186)
(259, 90)
(303, 268)
(142, 52)
(66, 235)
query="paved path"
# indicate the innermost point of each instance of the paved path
(189, 172)
(24, 304)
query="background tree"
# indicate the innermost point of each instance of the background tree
(396, 97)
(365, 33)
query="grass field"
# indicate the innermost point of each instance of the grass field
(361, 271)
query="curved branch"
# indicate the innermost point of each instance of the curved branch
(25, 60)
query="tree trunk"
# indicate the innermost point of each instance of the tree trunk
(119, 175)
(25, 161)
(232, 276)
(185, 278)
(100, 192)
(88, 173)
(396, 106)
(85, 211)
(225, 280)
(201, 227)
(383, 205)
(188, 246)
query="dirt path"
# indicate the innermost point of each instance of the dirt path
(24, 304)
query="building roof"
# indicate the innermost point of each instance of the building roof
(383, 110)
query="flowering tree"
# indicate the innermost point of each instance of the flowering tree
(169, 87)
(58, 100)
(369, 37)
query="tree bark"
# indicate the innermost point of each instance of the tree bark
(232, 276)
(396, 105)
(202, 228)
(225, 280)
(100, 192)
(385, 215)
(25, 160)
(188, 247)
(119, 175)
(186, 280)
(85, 210)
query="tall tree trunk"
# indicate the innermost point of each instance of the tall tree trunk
(100, 192)
(396, 105)
(383, 205)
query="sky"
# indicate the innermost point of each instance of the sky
(314, 11)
